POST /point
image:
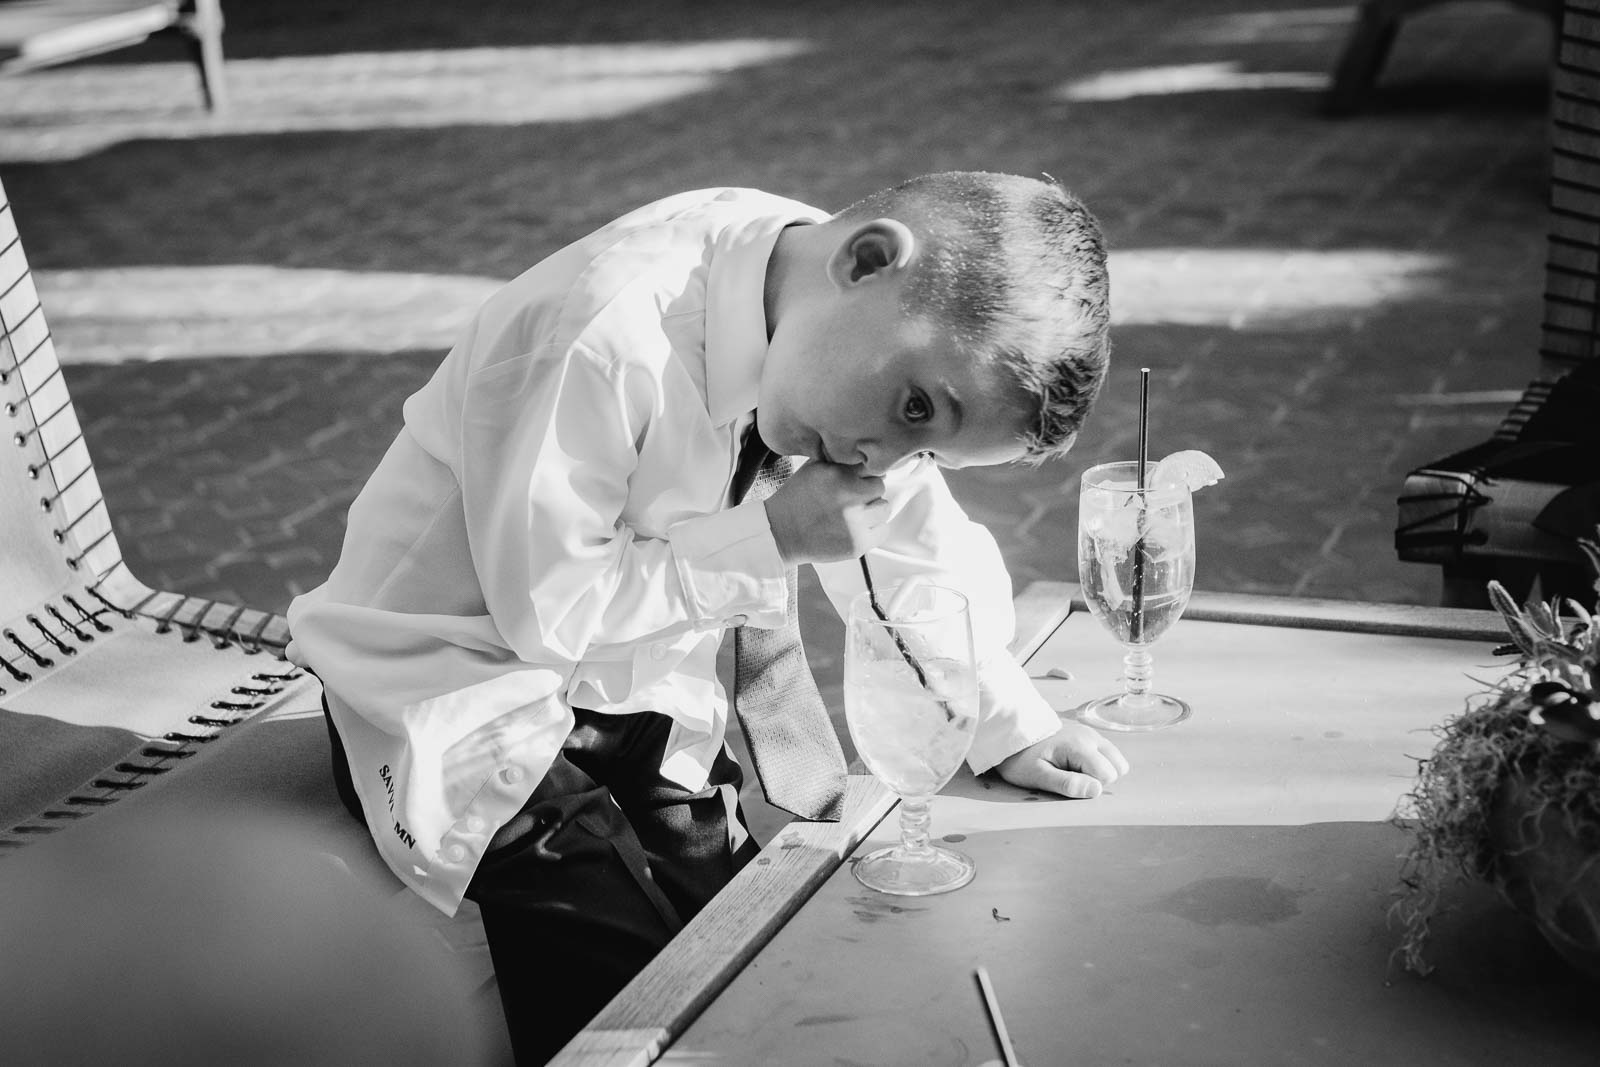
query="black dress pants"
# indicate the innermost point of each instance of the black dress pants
(598, 870)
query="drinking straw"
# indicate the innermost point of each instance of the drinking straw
(1136, 622)
(900, 642)
(991, 1003)
(1144, 422)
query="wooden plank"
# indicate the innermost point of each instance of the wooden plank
(1297, 724)
(615, 1048)
(42, 33)
(654, 1008)
(1041, 608)
(1352, 616)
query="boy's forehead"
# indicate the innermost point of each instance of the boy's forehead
(976, 381)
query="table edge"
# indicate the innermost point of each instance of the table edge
(661, 1001)
(1351, 616)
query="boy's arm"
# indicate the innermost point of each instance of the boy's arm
(548, 457)
(1018, 731)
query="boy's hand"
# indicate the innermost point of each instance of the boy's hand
(1077, 762)
(827, 512)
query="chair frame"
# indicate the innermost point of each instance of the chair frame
(35, 34)
(1371, 38)
(1463, 512)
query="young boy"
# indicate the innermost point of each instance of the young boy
(518, 644)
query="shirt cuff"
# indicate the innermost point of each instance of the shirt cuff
(1013, 715)
(730, 569)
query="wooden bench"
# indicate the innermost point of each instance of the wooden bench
(1512, 507)
(45, 33)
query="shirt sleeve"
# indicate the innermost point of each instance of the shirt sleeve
(930, 535)
(548, 445)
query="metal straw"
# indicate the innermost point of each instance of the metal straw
(1144, 422)
(992, 1004)
(900, 642)
(1136, 623)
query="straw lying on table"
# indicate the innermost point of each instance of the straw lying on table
(992, 1004)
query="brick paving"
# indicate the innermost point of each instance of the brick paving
(1324, 303)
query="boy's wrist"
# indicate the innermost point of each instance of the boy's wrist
(729, 565)
(1015, 715)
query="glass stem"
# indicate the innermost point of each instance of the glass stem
(914, 820)
(1138, 667)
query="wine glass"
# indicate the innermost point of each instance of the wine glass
(1136, 571)
(911, 702)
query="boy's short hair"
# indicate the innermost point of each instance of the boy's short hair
(1015, 268)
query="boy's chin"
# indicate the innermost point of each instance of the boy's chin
(786, 442)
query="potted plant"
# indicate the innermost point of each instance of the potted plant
(1511, 792)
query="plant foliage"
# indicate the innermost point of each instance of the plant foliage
(1541, 722)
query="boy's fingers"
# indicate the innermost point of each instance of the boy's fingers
(870, 488)
(1074, 785)
(1094, 762)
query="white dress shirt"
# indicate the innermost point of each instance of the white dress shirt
(551, 529)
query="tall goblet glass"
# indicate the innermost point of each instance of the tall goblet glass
(1136, 570)
(911, 702)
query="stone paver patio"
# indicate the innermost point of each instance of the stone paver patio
(244, 303)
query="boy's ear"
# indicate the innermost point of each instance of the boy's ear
(882, 247)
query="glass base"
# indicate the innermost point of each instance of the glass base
(1123, 711)
(904, 873)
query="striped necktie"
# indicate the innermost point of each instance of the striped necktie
(792, 742)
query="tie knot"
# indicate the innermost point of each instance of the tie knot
(760, 470)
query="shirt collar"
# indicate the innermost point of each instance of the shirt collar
(736, 319)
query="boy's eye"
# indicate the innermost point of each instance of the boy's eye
(918, 409)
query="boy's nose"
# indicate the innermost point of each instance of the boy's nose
(880, 457)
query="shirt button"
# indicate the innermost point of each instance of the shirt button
(455, 853)
(511, 775)
(475, 824)
(735, 620)
(659, 650)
